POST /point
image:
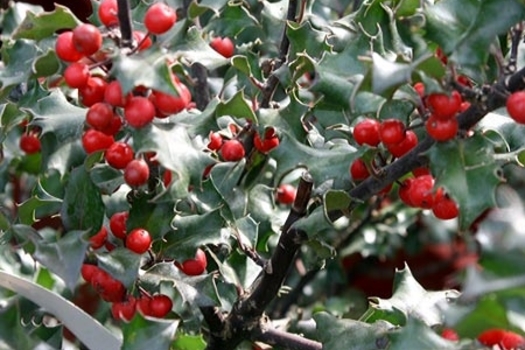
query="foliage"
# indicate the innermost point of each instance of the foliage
(242, 268)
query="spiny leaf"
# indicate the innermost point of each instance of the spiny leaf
(410, 300)
(121, 263)
(82, 208)
(44, 24)
(468, 171)
(142, 333)
(336, 334)
(465, 29)
(54, 114)
(196, 290)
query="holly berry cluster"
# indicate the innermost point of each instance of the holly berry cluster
(232, 150)
(139, 241)
(125, 306)
(494, 337)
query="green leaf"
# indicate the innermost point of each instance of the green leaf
(306, 39)
(149, 69)
(238, 107)
(410, 300)
(336, 200)
(122, 264)
(192, 232)
(403, 338)
(54, 114)
(192, 48)
(17, 58)
(337, 334)
(14, 15)
(82, 208)
(324, 164)
(46, 64)
(106, 178)
(188, 342)
(246, 228)
(175, 151)
(198, 9)
(467, 170)
(197, 290)
(44, 24)
(63, 257)
(141, 333)
(153, 217)
(465, 29)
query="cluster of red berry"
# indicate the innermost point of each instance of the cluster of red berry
(124, 306)
(232, 150)
(494, 337)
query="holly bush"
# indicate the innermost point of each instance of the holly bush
(263, 175)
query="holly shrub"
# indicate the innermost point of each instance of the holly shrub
(262, 174)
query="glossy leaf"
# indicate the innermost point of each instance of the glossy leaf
(142, 333)
(44, 24)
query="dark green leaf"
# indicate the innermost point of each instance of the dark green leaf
(465, 29)
(194, 231)
(44, 24)
(197, 290)
(82, 208)
(403, 338)
(54, 114)
(141, 333)
(237, 106)
(153, 217)
(122, 264)
(188, 342)
(18, 57)
(63, 257)
(337, 334)
(467, 170)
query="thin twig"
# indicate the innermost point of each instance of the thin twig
(126, 26)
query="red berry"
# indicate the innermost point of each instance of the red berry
(114, 126)
(421, 192)
(444, 107)
(441, 55)
(170, 104)
(110, 289)
(142, 39)
(159, 18)
(160, 305)
(30, 143)
(420, 89)
(143, 305)
(224, 46)
(232, 151)
(358, 170)
(421, 171)
(444, 207)
(166, 178)
(113, 94)
(87, 39)
(215, 141)
(450, 334)
(76, 75)
(195, 266)
(99, 115)
(138, 241)
(93, 91)
(441, 130)
(117, 224)
(119, 154)
(87, 271)
(516, 106)
(506, 340)
(99, 239)
(269, 142)
(94, 140)
(404, 192)
(136, 173)
(65, 49)
(124, 310)
(286, 194)
(367, 132)
(391, 131)
(139, 112)
(400, 149)
(108, 12)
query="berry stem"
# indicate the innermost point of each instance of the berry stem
(126, 26)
